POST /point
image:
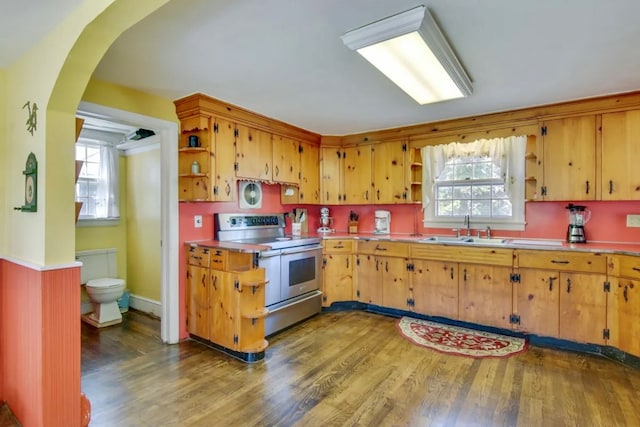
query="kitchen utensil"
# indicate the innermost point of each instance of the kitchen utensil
(578, 217)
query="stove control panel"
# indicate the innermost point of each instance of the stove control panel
(248, 221)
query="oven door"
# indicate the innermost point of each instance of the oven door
(270, 261)
(300, 270)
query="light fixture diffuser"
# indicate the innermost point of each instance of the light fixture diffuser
(411, 51)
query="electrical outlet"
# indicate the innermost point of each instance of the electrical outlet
(633, 220)
(197, 221)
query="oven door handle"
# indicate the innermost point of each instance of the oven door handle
(270, 254)
(301, 249)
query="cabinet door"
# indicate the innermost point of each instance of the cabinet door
(620, 154)
(583, 307)
(286, 160)
(199, 304)
(253, 154)
(357, 175)
(331, 182)
(537, 299)
(623, 315)
(309, 173)
(337, 278)
(389, 172)
(225, 189)
(369, 287)
(435, 288)
(395, 282)
(223, 308)
(570, 159)
(485, 295)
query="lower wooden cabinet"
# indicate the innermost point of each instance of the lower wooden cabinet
(337, 278)
(583, 307)
(368, 281)
(225, 299)
(537, 301)
(623, 308)
(434, 288)
(485, 294)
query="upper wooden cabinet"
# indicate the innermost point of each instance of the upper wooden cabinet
(286, 160)
(224, 186)
(331, 162)
(389, 172)
(309, 190)
(254, 154)
(620, 154)
(356, 173)
(569, 164)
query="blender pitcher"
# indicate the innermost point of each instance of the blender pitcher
(578, 217)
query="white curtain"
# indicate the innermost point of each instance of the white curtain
(506, 153)
(107, 190)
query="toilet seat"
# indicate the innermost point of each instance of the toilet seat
(105, 283)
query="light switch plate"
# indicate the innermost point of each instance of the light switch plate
(633, 220)
(197, 221)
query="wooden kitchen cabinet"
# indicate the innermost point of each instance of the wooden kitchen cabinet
(569, 159)
(434, 288)
(578, 278)
(286, 160)
(485, 294)
(309, 190)
(331, 161)
(224, 187)
(383, 273)
(623, 308)
(337, 271)
(389, 172)
(620, 152)
(254, 154)
(356, 175)
(198, 288)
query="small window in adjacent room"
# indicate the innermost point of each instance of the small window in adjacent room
(483, 179)
(97, 184)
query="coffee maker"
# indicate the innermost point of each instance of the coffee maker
(578, 217)
(382, 222)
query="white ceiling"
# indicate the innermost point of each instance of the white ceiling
(284, 58)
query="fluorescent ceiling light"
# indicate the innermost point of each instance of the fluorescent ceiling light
(411, 51)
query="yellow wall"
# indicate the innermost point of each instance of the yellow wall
(143, 224)
(110, 236)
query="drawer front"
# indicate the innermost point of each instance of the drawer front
(629, 266)
(337, 246)
(382, 248)
(459, 253)
(219, 259)
(198, 256)
(563, 261)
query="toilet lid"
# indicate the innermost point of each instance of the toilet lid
(105, 282)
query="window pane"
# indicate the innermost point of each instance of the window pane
(462, 192)
(463, 171)
(481, 208)
(444, 208)
(482, 170)
(501, 208)
(481, 192)
(461, 207)
(446, 174)
(498, 192)
(444, 192)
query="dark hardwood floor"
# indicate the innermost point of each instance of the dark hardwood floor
(344, 369)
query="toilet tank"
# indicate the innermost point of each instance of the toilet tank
(97, 263)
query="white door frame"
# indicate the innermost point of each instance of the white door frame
(168, 132)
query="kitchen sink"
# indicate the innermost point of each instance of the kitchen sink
(465, 240)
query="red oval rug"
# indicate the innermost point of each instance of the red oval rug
(457, 340)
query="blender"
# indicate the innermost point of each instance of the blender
(578, 217)
(325, 221)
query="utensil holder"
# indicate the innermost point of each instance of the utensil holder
(353, 227)
(296, 228)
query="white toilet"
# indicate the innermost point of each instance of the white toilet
(98, 274)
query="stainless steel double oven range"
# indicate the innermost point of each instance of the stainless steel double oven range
(292, 265)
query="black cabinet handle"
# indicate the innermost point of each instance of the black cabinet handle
(610, 186)
(635, 269)
(378, 194)
(386, 266)
(376, 265)
(347, 262)
(587, 187)
(266, 168)
(465, 275)
(555, 261)
(277, 170)
(451, 273)
(625, 294)
(568, 285)
(215, 283)
(551, 279)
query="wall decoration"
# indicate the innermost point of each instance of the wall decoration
(30, 173)
(32, 118)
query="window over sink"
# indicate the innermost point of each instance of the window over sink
(483, 180)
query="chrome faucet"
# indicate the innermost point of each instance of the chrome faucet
(488, 232)
(467, 224)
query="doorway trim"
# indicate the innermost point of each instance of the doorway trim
(168, 132)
